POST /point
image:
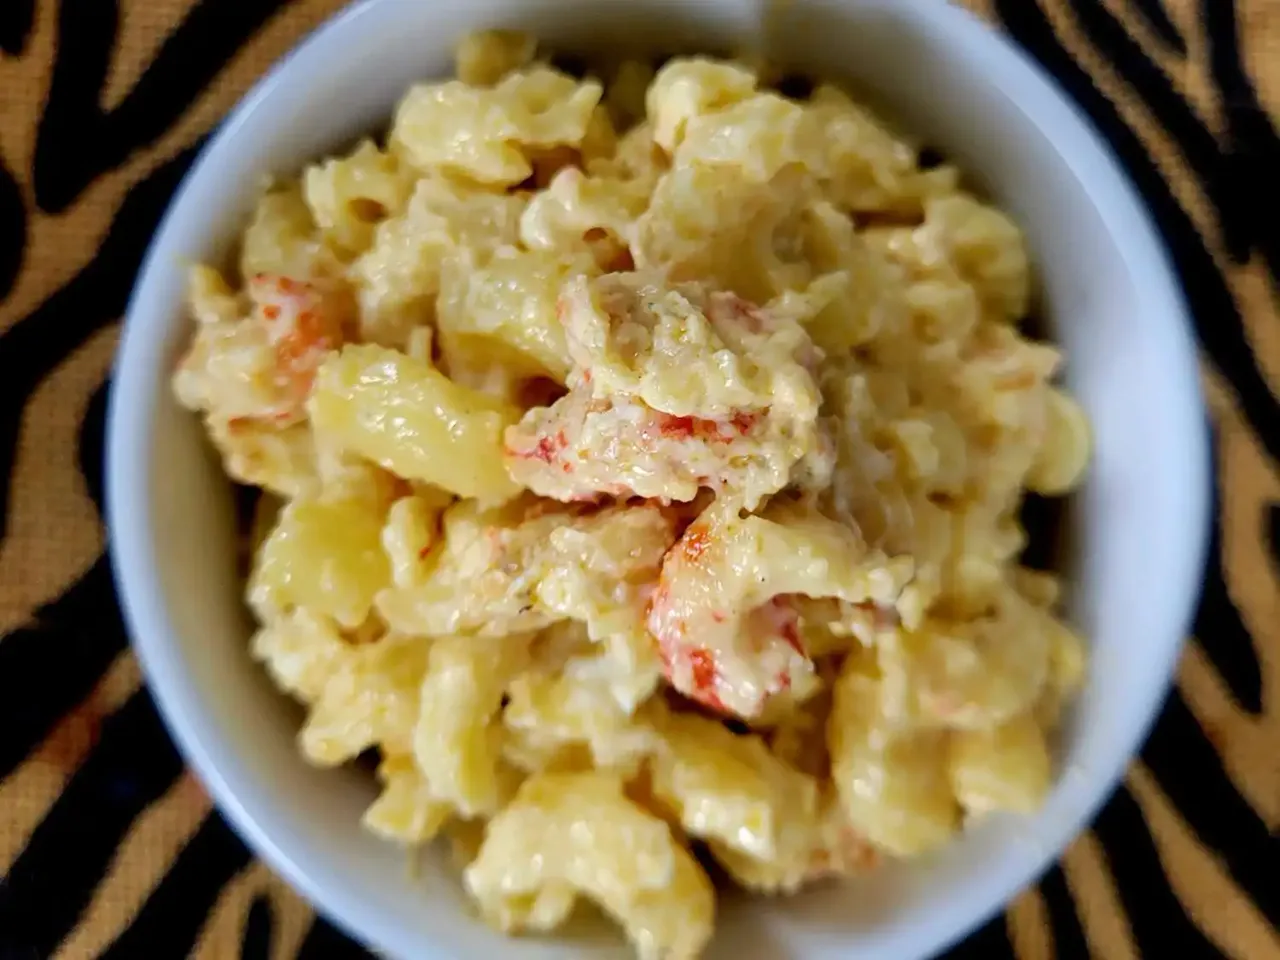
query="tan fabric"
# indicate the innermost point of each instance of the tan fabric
(1183, 861)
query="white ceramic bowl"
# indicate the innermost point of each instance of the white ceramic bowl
(1138, 527)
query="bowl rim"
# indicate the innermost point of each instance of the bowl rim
(130, 444)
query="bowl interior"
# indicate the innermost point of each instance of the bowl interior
(1136, 527)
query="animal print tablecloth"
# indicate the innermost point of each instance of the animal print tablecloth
(109, 847)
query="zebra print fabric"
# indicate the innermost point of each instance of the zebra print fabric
(109, 848)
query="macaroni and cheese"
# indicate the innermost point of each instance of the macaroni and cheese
(645, 457)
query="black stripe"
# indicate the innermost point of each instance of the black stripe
(1175, 116)
(13, 230)
(1158, 19)
(1250, 130)
(325, 942)
(1190, 772)
(77, 141)
(1160, 925)
(1217, 318)
(259, 929)
(16, 18)
(51, 664)
(171, 919)
(46, 890)
(35, 344)
(988, 942)
(92, 447)
(1064, 920)
(1219, 629)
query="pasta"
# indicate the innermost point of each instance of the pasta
(644, 459)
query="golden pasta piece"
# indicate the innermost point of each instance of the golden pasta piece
(972, 674)
(1005, 767)
(405, 811)
(730, 788)
(411, 532)
(371, 699)
(985, 247)
(893, 784)
(713, 224)
(485, 134)
(579, 833)
(864, 167)
(553, 716)
(758, 136)
(457, 739)
(406, 416)
(398, 278)
(283, 239)
(510, 303)
(301, 650)
(483, 58)
(1067, 446)
(325, 554)
(687, 88)
(577, 209)
(349, 196)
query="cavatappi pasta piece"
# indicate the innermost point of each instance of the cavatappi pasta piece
(349, 196)
(851, 293)
(635, 160)
(398, 278)
(712, 224)
(578, 210)
(325, 555)
(281, 460)
(405, 811)
(457, 742)
(985, 248)
(508, 307)
(836, 850)
(862, 165)
(211, 298)
(408, 417)
(552, 717)
(893, 784)
(487, 134)
(1005, 767)
(687, 88)
(301, 650)
(1067, 664)
(412, 530)
(969, 674)
(370, 699)
(520, 567)
(731, 789)
(578, 834)
(282, 239)
(1065, 451)
(483, 58)
(721, 615)
(479, 580)
(756, 137)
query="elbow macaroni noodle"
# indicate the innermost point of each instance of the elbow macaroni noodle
(649, 456)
